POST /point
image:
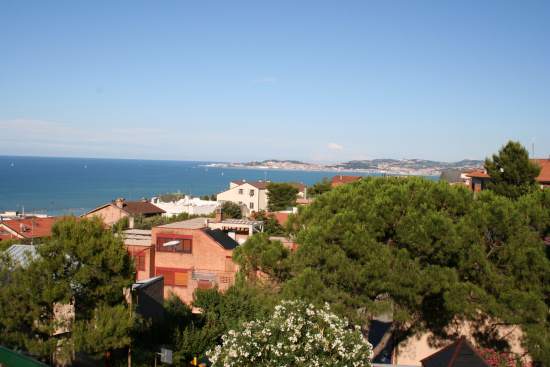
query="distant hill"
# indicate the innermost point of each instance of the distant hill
(420, 167)
(415, 164)
(268, 162)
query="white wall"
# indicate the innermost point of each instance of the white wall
(234, 196)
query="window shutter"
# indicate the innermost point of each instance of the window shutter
(181, 278)
(187, 246)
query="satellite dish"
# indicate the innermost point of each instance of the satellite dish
(171, 243)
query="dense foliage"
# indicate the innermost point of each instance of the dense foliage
(191, 335)
(78, 277)
(320, 188)
(211, 197)
(231, 210)
(500, 359)
(260, 254)
(271, 225)
(281, 196)
(427, 254)
(171, 196)
(512, 173)
(296, 334)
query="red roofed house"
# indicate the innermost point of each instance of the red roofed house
(480, 178)
(458, 354)
(188, 254)
(27, 228)
(544, 175)
(112, 212)
(342, 180)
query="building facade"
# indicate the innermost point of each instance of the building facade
(188, 254)
(119, 209)
(252, 195)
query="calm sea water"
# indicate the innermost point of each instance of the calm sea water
(75, 185)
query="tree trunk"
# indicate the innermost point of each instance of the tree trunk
(384, 341)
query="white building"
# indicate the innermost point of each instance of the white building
(251, 194)
(189, 205)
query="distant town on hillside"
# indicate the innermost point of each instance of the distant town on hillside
(419, 167)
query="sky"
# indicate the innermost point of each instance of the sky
(319, 81)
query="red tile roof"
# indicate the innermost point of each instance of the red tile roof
(141, 207)
(132, 207)
(478, 174)
(281, 217)
(262, 185)
(341, 180)
(544, 176)
(459, 354)
(29, 227)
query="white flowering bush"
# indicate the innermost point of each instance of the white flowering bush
(296, 334)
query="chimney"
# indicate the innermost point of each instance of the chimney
(119, 202)
(219, 215)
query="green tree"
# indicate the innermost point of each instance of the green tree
(320, 188)
(271, 225)
(259, 253)
(426, 254)
(231, 210)
(82, 264)
(87, 265)
(27, 319)
(220, 312)
(169, 197)
(512, 173)
(281, 196)
(108, 330)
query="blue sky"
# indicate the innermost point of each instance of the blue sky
(246, 80)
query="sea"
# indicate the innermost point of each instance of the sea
(64, 186)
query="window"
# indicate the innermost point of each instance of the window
(251, 205)
(251, 193)
(241, 191)
(174, 277)
(225, 279)
(184, 243)
(229, 264)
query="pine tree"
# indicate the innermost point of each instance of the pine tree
(512, 173)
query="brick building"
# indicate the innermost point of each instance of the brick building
(112, 212)
(188, 254)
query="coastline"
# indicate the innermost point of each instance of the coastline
(371, 172)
